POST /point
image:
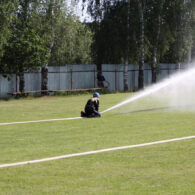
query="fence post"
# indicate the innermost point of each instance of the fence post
(133, 80)
(115, 80)
(16, 83)
(94, 78)
(71, 79)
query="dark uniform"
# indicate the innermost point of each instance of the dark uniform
(91, 108)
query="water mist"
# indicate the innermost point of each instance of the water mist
(178, 89)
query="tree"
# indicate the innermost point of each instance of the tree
(159, 30)
(52, 9)
(24, 52)
(68, 41)
(72, 43)
(112, 35)
(141, 9)
(25, 49)
(158, 37)
(193, 30)
(190, 17)
(115, 33)
(42, 33)
(180, 22)
(7, 10)
(127, 49)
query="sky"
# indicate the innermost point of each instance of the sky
(77, 9)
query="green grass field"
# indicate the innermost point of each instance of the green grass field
(164, 169)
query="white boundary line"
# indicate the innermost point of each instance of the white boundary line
(39, 121)
(94, 152)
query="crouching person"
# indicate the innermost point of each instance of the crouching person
(92, 107)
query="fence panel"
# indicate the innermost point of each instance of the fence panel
(7, 85)
(32, 81)
(85, 76)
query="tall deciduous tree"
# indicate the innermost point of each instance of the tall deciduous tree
(142, 10)
(113, 38)
(127, 48)
(154, 32)
(7, 10)
(180, 26)
(72, 43)
(69, 41)
(52, 11)
(25, 49)
(180, 22)
(193, 31)
(190, 17)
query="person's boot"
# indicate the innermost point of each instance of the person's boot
(83, 114)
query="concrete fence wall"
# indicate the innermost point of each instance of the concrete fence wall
(83, 76)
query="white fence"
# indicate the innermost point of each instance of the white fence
(83, 76)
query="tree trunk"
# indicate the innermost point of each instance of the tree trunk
(24, 15)
(190, 49)
(44, 80)
(141, 77)
(178, 66)
(125, 75)
(154, 74)
(21, 82)
(190, 41)
(44, 71)
(155, 49)
(142, 50)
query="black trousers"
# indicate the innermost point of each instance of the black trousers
(91, 112)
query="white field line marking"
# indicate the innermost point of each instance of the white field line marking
(94, 152)
(39, 121)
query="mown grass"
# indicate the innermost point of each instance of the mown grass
(161, 169)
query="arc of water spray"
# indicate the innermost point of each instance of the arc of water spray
(156, 87)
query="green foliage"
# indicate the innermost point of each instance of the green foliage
(176, 27)
(111, 34)
(42, 32)
(25, 51)
(72, 43)
(7, 9)
(55, 33)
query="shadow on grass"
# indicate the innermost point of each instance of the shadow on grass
(186, 107)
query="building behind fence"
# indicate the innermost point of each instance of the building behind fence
(71, 77)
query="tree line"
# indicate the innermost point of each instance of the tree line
(143, 31)
(39, 33)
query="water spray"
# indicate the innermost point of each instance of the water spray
(174, 79)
